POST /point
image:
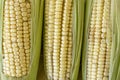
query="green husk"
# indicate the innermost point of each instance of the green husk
(36, 34)
(115, 54)
(78, 21)
(88, 11)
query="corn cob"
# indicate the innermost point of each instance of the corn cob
(100, 40)
(58, 39)
(48, 34)
(16, 37)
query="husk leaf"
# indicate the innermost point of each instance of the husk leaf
(78, 21)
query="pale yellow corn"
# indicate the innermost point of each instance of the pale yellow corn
(99, 44)
(16, 38)
(58, 39)
(49, 34)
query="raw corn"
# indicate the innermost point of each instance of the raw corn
(16, 37)
(58, 39)
(99, 45)
(21, 24)
(98, 51)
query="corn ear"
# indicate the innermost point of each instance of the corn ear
(101, 60)
(24, 39)
(63, 30)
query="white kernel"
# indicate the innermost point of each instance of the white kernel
(19, 20)
(25, 28)
(21, 1)
(24, 13)
(18, 13)
(13, 26)
(11, 11)
(11, 55)
(19, 40)
(18, 16)
(21, 50)
(25, 24)
(17, 64)
(6, 2)
(17, 8)
(22, 57)
(20, 45)
(23, 5)
(26, 36)
(25, 18)
(12, 67)
(11, 63)
(19, 29)
(11, 3)
(15, 49)
(10, 50)
(28, 5)
(12, 15)
(18, 75)
(26, 32)
(19, 32)
(23, 9)
(19, 36)
(13, 30)
(24, 73)
(17, 60)
(16, 4)
(13, 35)
(13, 39)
